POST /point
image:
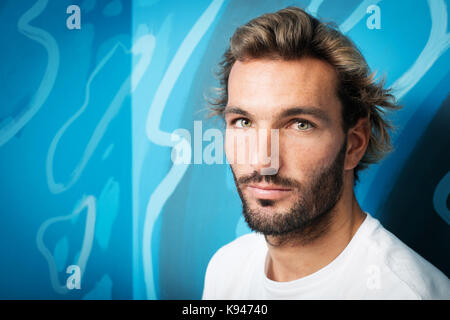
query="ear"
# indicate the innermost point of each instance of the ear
(357, 141)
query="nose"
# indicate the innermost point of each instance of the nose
(264, 155)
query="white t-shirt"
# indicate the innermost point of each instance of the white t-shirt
(374, 265)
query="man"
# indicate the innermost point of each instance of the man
(287, 72)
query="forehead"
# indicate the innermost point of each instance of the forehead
(264, 87)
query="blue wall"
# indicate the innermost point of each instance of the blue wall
(86, 176)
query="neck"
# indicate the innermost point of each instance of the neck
(297, 256)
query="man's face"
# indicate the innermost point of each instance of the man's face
(297, 98)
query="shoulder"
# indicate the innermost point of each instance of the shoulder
(238, 249)
(404, 267)
(231, 265)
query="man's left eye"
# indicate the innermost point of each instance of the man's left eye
(302, 125)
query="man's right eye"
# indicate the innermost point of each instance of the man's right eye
(242, 123)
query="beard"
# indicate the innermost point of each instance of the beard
(309, 217)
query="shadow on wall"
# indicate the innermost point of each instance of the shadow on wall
(417, 223)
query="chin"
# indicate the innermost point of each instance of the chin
(270, 206)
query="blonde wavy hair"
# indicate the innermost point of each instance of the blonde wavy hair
(291, 33)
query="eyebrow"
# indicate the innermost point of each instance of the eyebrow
(313, 111)
(294, 111)
(235, 110)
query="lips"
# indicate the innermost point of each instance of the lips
(270, 192)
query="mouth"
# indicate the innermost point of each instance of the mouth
(267, 191)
